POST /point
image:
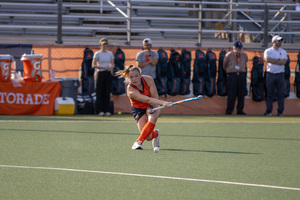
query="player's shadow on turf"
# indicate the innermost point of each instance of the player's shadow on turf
(205, 151)
(230, 137)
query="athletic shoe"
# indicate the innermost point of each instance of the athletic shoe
(107, 114)
(279, 114)
(137, 146)
(101, 113)
(156, 141)
(268, 114)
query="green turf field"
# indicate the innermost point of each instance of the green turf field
(201, 157)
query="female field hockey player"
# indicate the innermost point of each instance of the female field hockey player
(142, 94)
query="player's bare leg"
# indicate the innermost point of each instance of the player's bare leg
(146, 126)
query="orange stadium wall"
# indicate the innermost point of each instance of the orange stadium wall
(210, 106)
(66, 62)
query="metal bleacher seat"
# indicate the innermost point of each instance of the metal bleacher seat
(28, 18)
(87, 21)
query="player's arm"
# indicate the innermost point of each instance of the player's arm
(134, 94)
(154, 93)
(151, 83)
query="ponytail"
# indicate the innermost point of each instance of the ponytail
(125, 73)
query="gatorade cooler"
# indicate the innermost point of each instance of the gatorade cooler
(32, 67)
(64, 106)
(69, 88)
(5, 67)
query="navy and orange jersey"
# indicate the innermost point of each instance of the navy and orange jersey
(145, 91)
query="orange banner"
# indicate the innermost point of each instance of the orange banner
(31, 98)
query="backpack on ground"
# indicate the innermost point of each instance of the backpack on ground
(87, 72)
(222, 77)
(118, 85)
(297, 77)
(257, 79)
(161, 72)
(86, 104)
(186, 59)
(199, 73)
(210, 73)
(175, 73)
(287, 75)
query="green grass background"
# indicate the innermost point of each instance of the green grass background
(250, 149)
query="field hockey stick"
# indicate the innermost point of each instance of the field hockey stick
(178, 102)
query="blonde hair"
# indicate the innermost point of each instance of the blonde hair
(125, 73)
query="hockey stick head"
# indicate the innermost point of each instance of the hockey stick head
(199, 97)
(186, 100)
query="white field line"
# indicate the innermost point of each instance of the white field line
(153, 176)
(132, 121)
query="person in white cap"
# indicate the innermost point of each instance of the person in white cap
(276, 58)
(147, 59)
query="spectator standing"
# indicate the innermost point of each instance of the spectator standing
(147, 59)
(103, 62)
(276, 58)
(235, 65)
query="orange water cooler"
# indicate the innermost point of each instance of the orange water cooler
(6, 63)
(32, 67)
